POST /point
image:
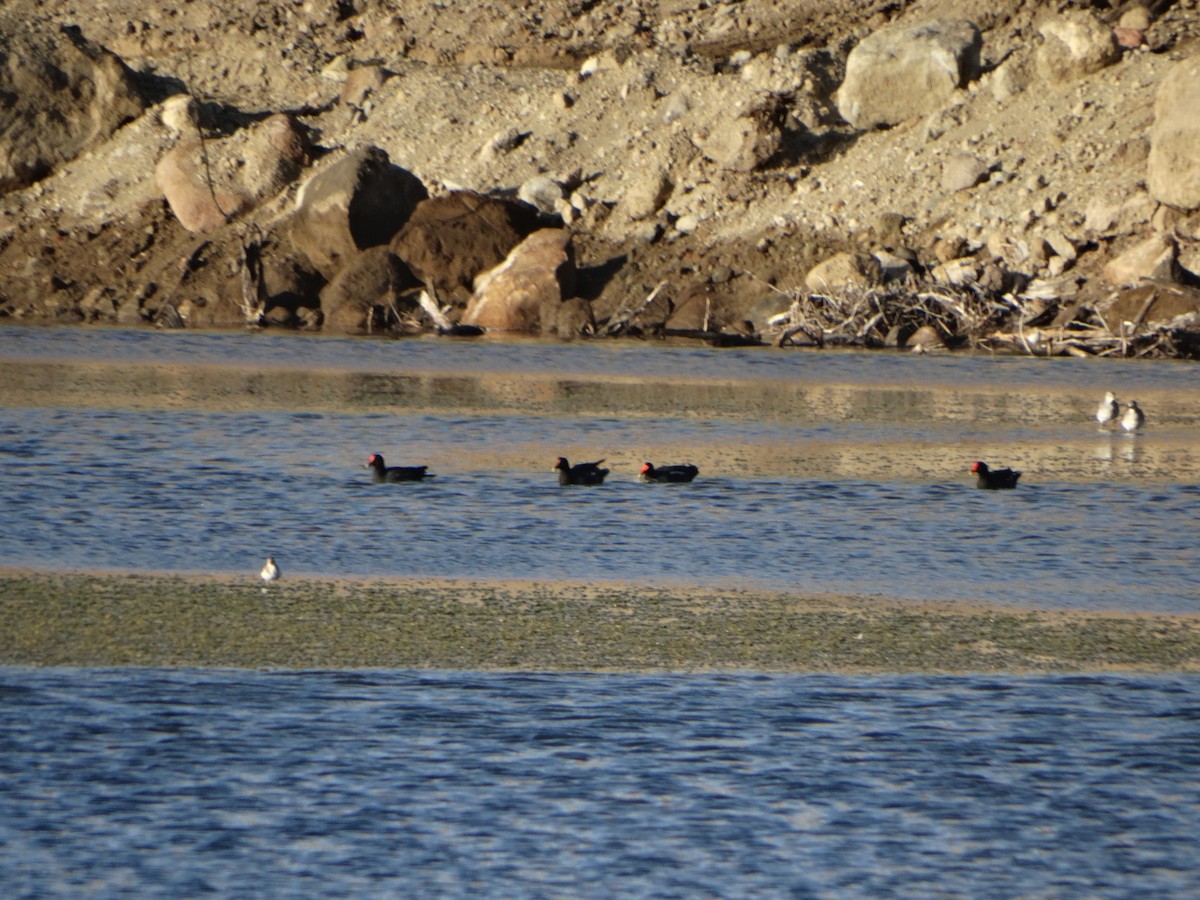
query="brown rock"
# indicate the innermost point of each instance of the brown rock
(452, 238)
(1151, 304)
(365, 293)
(524, 292)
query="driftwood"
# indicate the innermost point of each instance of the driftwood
(969, 315)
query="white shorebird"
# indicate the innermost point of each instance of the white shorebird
(1109, 410)
(1134, 418)
(270, 571)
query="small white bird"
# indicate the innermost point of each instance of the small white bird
(270, 571)
(1134, 418)
(1109, 409)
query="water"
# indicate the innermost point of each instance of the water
(144, 782)
(651, 358)
(181, 783)
(215, 492)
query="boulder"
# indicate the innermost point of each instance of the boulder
(1152, 258)
(365, 293)
(962, 171)
(206, 184)
(543, 193)
(1151, 304)
(199, 205)
(451, 238)
(746, 142)
(646, 190)
(1173, 167)
(844, 270)
(525, 291)
(1075, 44)
(899, 73)
(360, 201)
(60, 95)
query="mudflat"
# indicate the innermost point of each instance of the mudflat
(122, 619)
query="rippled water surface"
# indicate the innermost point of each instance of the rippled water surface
(183, 783)
(217, 490)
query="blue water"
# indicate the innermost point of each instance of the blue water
(195, 491)
(188, 783)
(144, 782)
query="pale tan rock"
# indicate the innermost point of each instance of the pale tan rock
(962, 171)
(524, 292)
(1173, 167)
(745, 142)
(1152, 258)
(956, 271)
(844, 270)
(1136, 16)
(646, 191)
(1075, 44)
(903, 72)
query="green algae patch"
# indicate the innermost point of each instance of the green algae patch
(213, 621)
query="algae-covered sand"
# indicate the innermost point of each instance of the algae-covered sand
(104, 619)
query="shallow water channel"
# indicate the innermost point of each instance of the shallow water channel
(840, 472)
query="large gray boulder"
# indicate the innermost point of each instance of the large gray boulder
(60, 95)
(902, 72)
(360, 201)
(1173, 167)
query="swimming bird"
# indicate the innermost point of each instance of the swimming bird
(582, 473)
(381, 473)
(1109, 409)
(994, 480)
(1134, 418)
(668, 473)
(270, 571)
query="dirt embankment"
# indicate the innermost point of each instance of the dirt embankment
(703, 151)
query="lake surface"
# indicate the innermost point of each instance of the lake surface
(818, 474)
(186, 783)
(826, 472)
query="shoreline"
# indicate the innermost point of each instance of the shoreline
(116, 619)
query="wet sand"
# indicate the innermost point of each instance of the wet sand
(119, 619)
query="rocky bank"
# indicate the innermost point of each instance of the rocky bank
(926, 174)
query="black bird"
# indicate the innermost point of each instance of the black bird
(668, 473)
(994, 480)
(582, 473)
(381, 473)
